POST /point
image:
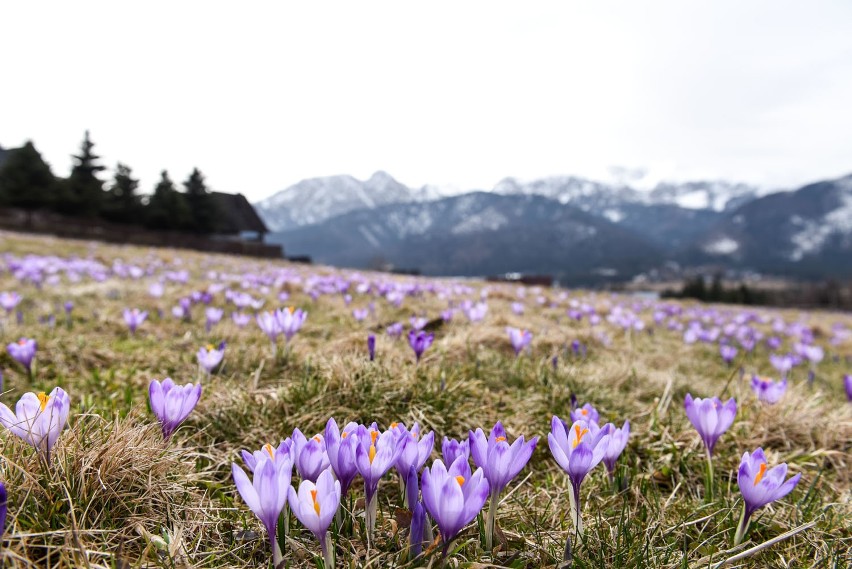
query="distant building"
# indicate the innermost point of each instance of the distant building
(239, 218)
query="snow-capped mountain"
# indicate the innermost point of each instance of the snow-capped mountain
(807, 232)
(316, 199)
(478, 233)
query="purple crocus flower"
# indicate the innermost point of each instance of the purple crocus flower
(783, 363)
(210, 356)
(23, 351)
(518, 308)
(394, 330)
(728, 353)
(419, 342)
(371, 346)
(68, 306)
(341, 447)
(617, 444)
(266, 495)
(213, 316)
(9, 300)
(171, 403)
(290, 321)
(375, 455)
(38, 418)
(577, 451)
(847, 383)
(416, 451)
(586, 413)
(419, 531)
(285, 451)
(360, 314)
(240, 319)
(134, 318)
(311, 456)
(710, 417)
(451, 449)
(453, 497)
(760, 486)
(520, 339)
(270, 326)
(315, 506)
(767, 390)
(501, 463)
(578, 348)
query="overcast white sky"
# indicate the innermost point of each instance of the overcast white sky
(259, 95)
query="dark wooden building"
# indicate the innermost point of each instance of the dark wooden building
(239, 218)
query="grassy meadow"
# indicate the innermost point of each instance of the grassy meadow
(115, 494)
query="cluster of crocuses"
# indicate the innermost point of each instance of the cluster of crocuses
(283, 321)
(758, 486)
(448, 493)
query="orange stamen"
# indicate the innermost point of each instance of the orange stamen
(291, 309)
(760, 473)
(584, 411)
(316, 504)
(344, 435)
(460, 480)
(500, 439)
(318, 439)
(580, 434)
(374, 435)
(372, 453)
(268, 448)
(44, 398)
(394, 424)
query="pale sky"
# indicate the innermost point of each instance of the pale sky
(260, 95)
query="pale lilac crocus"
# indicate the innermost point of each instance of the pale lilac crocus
(266, 495)
(586, 413)
(577, 451)
(418, 322)
(285, 451)
(213, 316)
(268, 323)
(415, 452)
(360, 314)
(315, 506)
(240, 319)
(451, 449)
(767, 390)
(520, 339)
(419, 342)
(728, 353)
(847, 383)
(172, 403)
(23, 351)
(394, 330)
(341, 446)
(617, 444)
(290, 321)
(501, 463)
(371, 346)
(710, 417)
(783, 363)
(311, 455)
(9, 300)
(453, 497)
(210, 356)
(760, 486)
(375, 455)
(134, 318)
(518, 308)
(38, 418)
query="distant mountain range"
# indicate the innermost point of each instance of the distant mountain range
(578, 230)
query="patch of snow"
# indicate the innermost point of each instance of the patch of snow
(487, 220)
(613, 215)
(693, 200)
(369, 236)
(814, 233)
(722, 246)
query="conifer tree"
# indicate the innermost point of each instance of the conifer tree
(167, 209)
(205, 212)
(84, 189)
(123, 204)
(26, 180)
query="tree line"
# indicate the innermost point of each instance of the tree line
(27, 182)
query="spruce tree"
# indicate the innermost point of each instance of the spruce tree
(122, 204)
(205, 212)
(85, 190)
(167, 209)
(26, 180)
